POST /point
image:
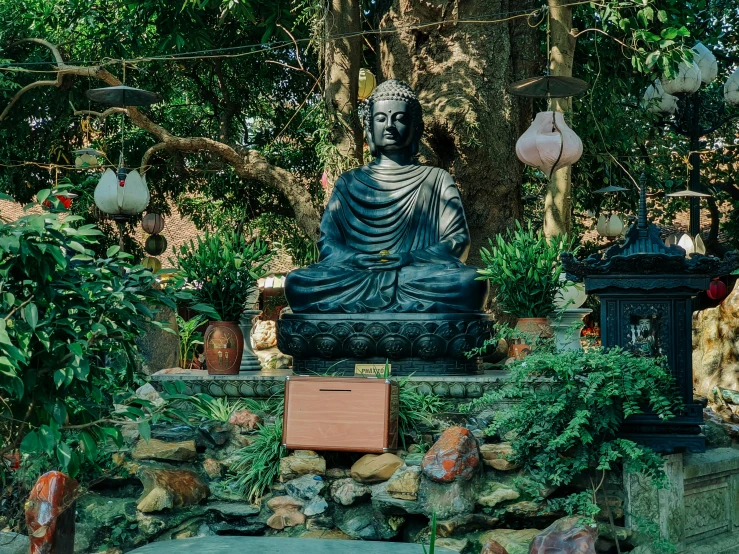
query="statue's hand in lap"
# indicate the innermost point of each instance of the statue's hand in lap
(382, 262)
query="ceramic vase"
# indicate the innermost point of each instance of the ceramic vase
(534, 329)
(566, 326)
(224, 346)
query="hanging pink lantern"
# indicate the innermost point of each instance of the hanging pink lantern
(549, 143)
(717, 290)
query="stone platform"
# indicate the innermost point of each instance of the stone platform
(269, 545)
(415, 344)
(267, 383)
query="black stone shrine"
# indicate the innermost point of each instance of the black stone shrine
(647, 292)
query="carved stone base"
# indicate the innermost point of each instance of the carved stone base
(420, 344)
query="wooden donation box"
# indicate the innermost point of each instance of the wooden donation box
(346, 414)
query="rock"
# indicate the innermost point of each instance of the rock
(453, 456)
(321, 522)
(178, 433)
(14, 543)
(286, 512)
(405, 485)
(156, 449)
(264, 335)
(315, 507)
(301, 462)
(337, 473)
(461, 525)
(372, 468)
(414, 459)
(169, 488)
(348, 491)
(233, 509)
(159, 348)
(281, 520)
(272, 358)
(284, 503)
(447, 500)
(389, 505)
(362, 522)
(524, 509)
(50, 512)
(305, 487)
(566, 535)
(149, 393)
(496, 493)
(497, 456)
(515, 541)
(455, 545)
(245, 420)
(493, 547)
(215, 433)
(212, 468)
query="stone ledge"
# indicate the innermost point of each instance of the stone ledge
(711, 463)
(266, 383)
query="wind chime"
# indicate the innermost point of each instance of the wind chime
(610, 225)
(122, 194)
(549, 144)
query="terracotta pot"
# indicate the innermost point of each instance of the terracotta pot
(534, 329)
(224, 345)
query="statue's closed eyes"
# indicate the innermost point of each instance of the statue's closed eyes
(394, 235)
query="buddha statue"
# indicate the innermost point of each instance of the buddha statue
(394, 236)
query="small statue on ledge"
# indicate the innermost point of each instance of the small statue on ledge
(394, 235)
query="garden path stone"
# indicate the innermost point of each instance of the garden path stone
(270, 545)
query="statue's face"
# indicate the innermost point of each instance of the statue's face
(392, 125)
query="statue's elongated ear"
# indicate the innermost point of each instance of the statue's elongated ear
(370, 142)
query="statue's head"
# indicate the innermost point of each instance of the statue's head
(393, 119)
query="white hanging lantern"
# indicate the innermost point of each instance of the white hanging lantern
(687, 80)
(686, 243)
(609, 227)
(706, 62)
(122, 194)
(656, 100)
(549, 143)
(367, 83)
(731, 89)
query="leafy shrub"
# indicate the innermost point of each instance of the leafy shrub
(217, 409)
(224, 268)
(68, 324)
(257, 466)
(567, 411)
(190, 339)
(415, 409)
(523, 267)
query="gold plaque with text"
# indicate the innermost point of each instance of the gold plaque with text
(371, 370)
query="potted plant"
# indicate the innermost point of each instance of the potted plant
(524, 270)
(223, 269)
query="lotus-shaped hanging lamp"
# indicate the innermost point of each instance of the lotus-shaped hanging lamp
(123, 194)
(549, 143)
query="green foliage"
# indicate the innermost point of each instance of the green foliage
(415, 409)
(68, 324)
(432, 538)
(224, 268)
(523, 267)
(190, 339)
(257, 466)
(217, 409)
(567, 409)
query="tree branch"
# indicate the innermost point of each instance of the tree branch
(250, 165)
(99, 115)
(149, 153)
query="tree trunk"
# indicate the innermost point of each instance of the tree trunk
(558, 202)
(460, 72)
(343, 58)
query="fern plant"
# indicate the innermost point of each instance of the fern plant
(566, 412)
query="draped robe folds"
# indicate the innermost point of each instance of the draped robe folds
(414, 209)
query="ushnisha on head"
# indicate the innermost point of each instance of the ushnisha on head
(393, 96)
